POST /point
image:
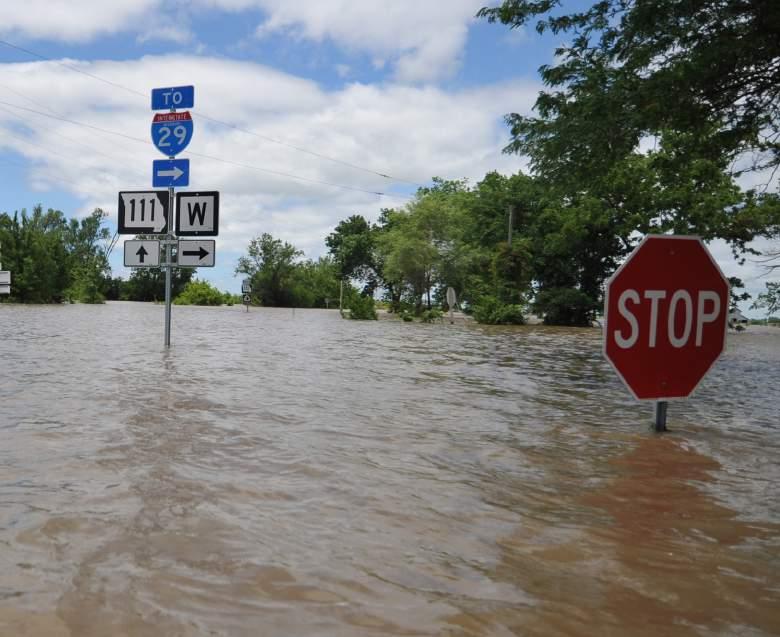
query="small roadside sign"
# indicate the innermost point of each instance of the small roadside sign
(197, 214)
(142, 253)
(172, 132)
(143, 212)
(246, 286)
(164, 99)
(247, 299)
(5, 282)
(196, 253)
(170, 173)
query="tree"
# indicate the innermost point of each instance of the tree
(34, 249)
(710, 67)
(87, 242)
(352, 246)
(148, 284)
(270, 264)
(769, 300)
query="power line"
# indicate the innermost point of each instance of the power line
(220, 122)
(146, 142)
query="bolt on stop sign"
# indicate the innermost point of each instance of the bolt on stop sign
(665, 317)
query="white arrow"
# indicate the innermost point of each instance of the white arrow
(174, 172)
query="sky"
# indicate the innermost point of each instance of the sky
(305, 112)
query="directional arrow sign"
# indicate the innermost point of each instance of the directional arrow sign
(142, 254)
(143, 212)
(170, 173)
(198, 214)
(196, 254)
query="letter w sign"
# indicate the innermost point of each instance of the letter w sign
(197, 214)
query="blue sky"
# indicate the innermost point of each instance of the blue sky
(411, 89)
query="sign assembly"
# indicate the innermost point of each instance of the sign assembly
(142, 253)
(143, 212)
(196, 253)
(198, 214)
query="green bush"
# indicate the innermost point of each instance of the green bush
(565, 306)
(362, 308)
(429, 316)
(199, 293)
(407, 317)
(491, 311)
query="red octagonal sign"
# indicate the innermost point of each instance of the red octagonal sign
(665, 316)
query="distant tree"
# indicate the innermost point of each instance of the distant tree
(34, 250)
(148, 284)
(87, 244)
(351, 245)
(768, 300)
(271, 264)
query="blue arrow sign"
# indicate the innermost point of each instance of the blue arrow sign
(164, 99)
(172, 132)
(170, 173)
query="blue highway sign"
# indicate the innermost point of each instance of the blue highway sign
(170, 173)
(172, 132)
(164, 99)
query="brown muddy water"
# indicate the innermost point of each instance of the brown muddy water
(290, 474)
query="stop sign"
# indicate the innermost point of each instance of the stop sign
(665, 316)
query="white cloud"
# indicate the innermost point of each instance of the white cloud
(401, 130)
(424, 39)
(75, 20)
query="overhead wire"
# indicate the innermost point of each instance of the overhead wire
(214, 120)
(146, 142)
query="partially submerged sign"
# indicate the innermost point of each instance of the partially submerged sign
(665, 314)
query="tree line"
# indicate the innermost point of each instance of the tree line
(53, 259)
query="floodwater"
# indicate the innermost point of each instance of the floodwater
(290, 473)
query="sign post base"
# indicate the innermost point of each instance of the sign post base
(660, 415)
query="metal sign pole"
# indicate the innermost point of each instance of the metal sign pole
(168, 272)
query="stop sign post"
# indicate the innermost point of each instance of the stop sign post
(665, 318)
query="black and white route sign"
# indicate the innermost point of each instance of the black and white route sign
(197, 214)
(196, 254)
(142, 253)
(143, 212)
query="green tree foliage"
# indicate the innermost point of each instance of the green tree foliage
(280, 278)
(631, 69)
(53, 260)
(351, 245)
(361, 307)
(769, 300)
(87, 243)
(201, 293)
(650, 110)
(270, 264)
(148, 284)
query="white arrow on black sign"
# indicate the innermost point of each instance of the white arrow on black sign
(197, 214)
(196, 254)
